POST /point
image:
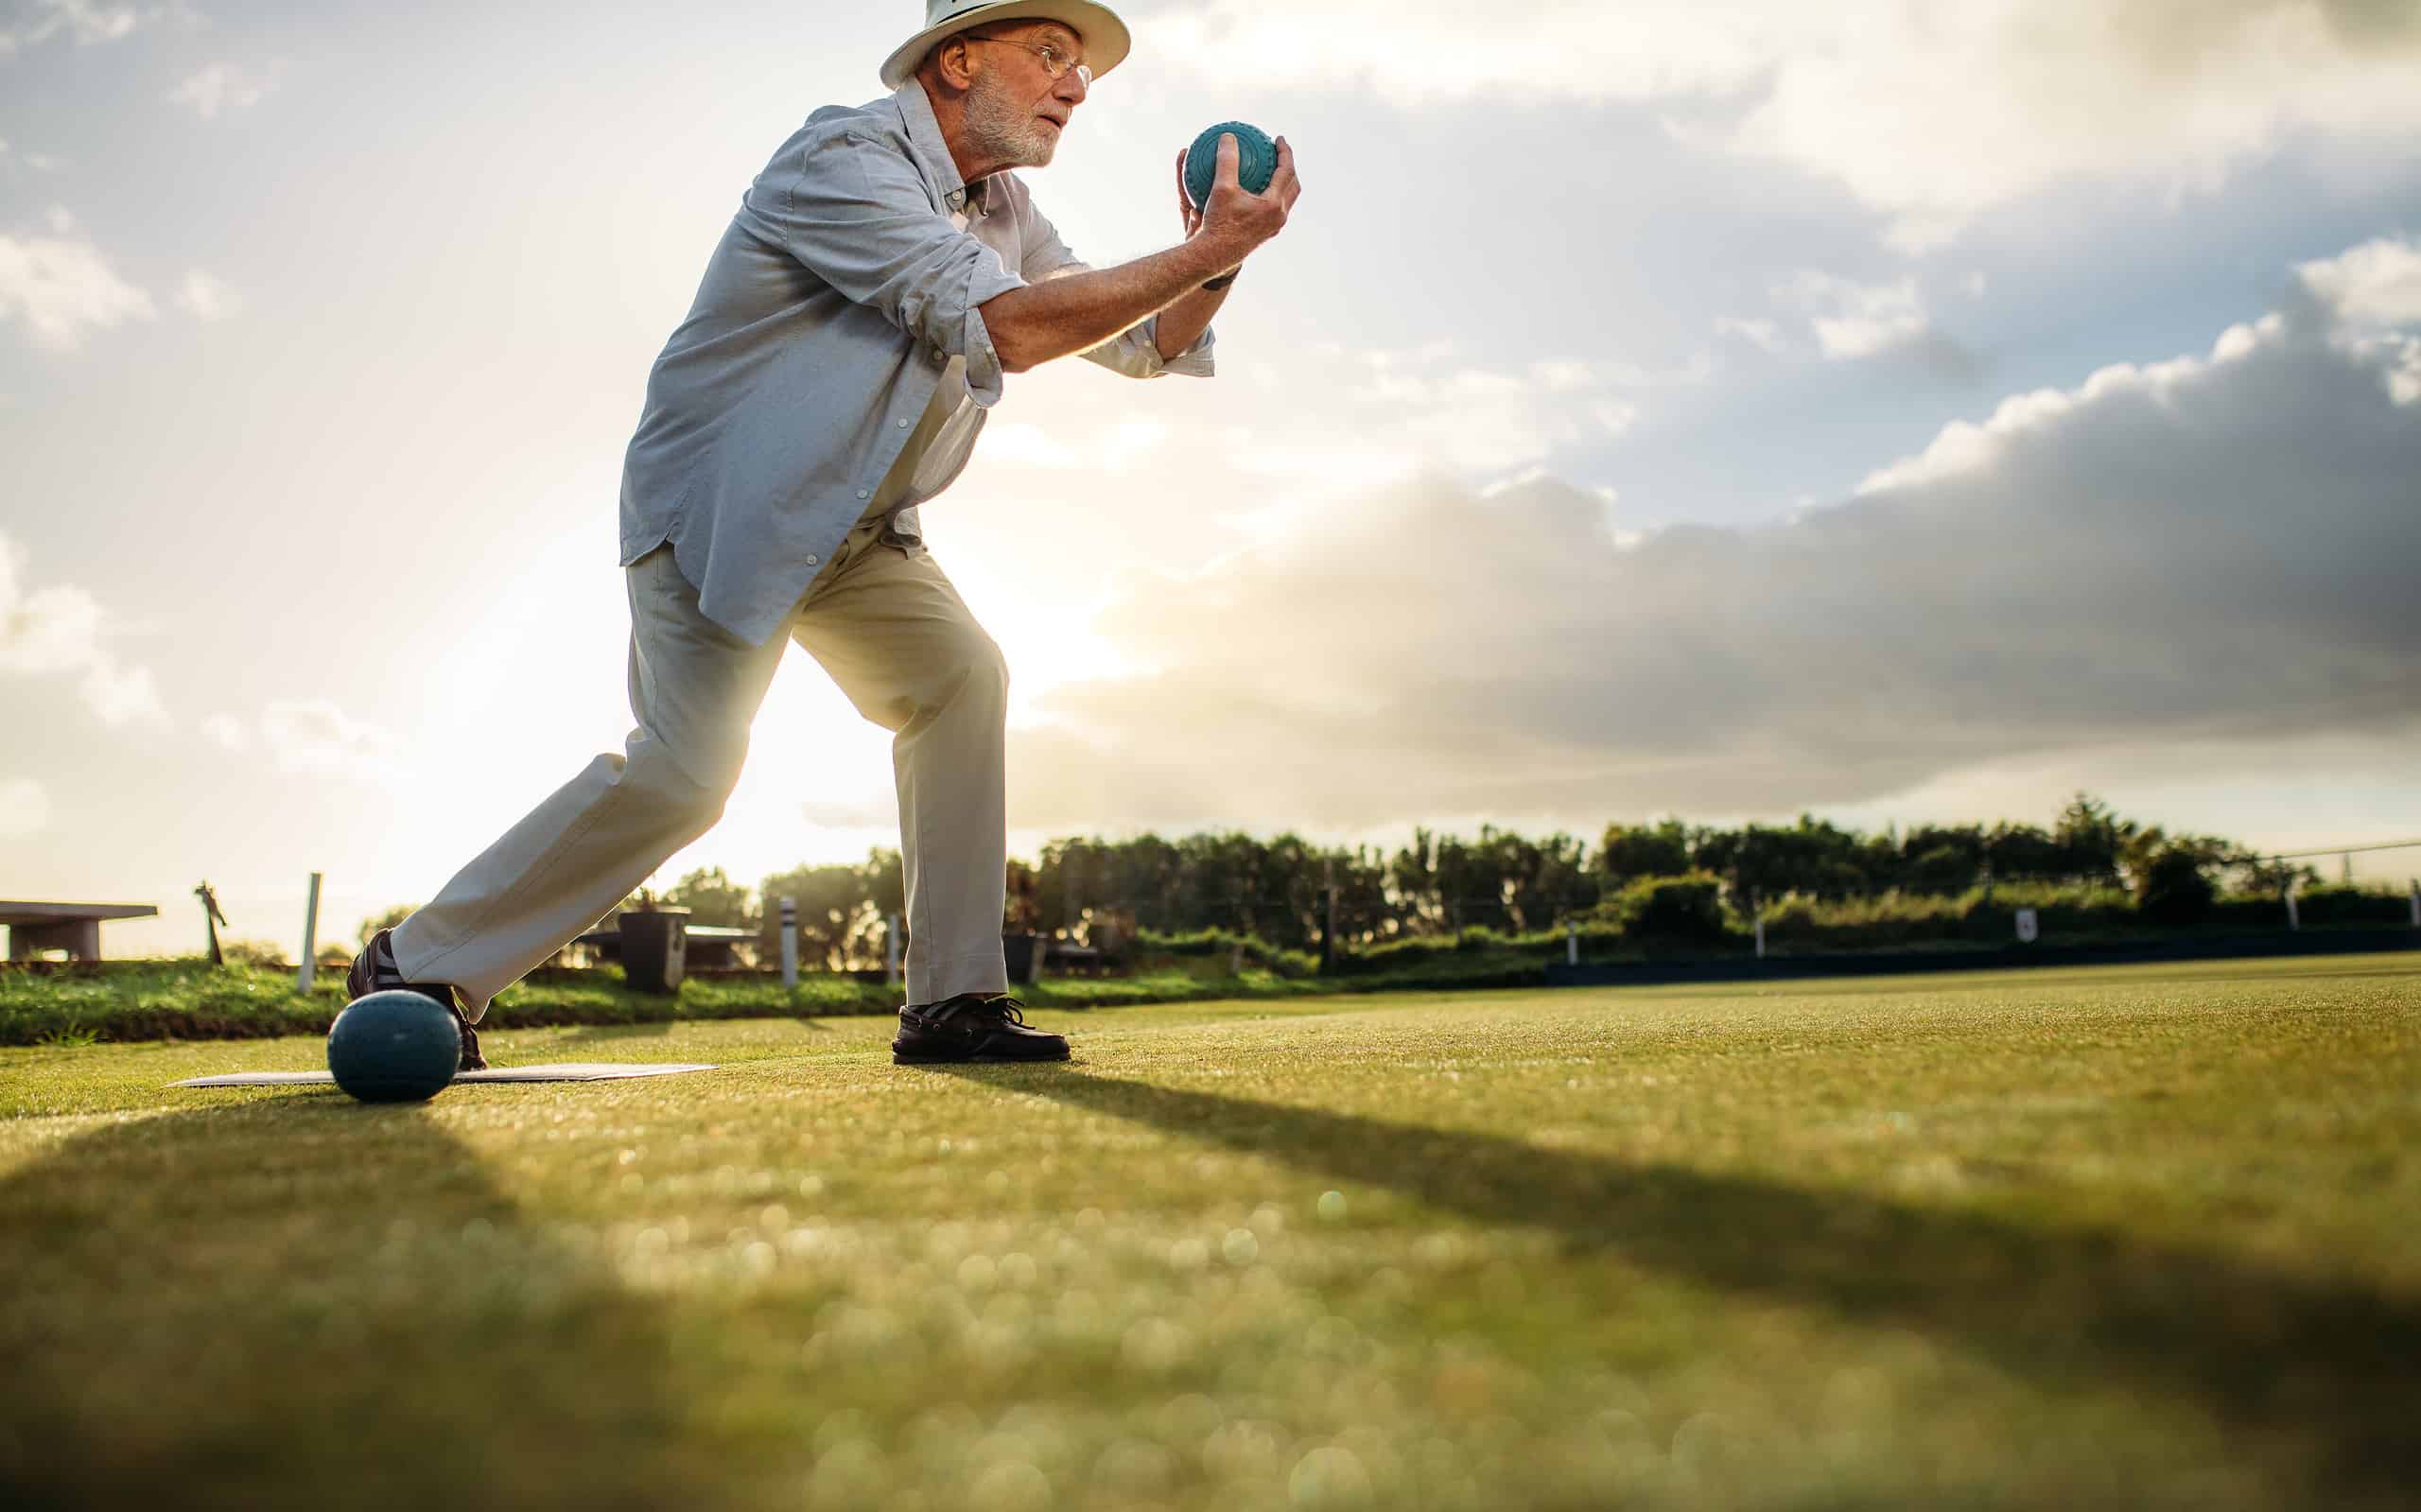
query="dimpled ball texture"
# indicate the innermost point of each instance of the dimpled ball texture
(1256, 160)
(394, 1046)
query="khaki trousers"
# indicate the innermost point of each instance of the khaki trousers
(892, 632)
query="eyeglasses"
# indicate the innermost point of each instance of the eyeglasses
(1054, 63)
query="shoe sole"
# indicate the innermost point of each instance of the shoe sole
(907, 1057)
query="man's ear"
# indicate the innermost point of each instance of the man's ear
(952, 63)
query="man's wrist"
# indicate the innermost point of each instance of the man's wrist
(1217, 259)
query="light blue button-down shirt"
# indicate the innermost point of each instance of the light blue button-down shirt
(827, 317)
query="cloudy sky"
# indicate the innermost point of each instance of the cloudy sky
(1905, 411)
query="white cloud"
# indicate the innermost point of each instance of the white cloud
(2212, 549)
(2374, 292)
(226, 732)
(2377, 284)
(1756, 332)
(1857, 320)
(223, 87)
(1929, 112)
(123, 695)
(38, 21)
(315, 737)
(205, 298)
(1423, 406)
(1963, 446)
(24, 807)
(1418, 51)
(40, 162)
(1523, 479)
(62, 630)
(63, 286)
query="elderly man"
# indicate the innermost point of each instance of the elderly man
(882, 274)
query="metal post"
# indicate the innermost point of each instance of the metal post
(1761, 934)
(1570, 943)
(2294, 918)
(891, 953)
(1327, 930)
(2345, 868)
(310, 938)
(2416, 902)
(789, 943)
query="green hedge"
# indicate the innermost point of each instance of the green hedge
(1666, 919)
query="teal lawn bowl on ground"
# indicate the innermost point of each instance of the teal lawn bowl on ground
(394, 1046)
(1256, 160)
(2137, 1236)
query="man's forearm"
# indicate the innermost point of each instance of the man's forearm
(1031, 325)
(1186, 320)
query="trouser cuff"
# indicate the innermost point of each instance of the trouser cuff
(986, 971)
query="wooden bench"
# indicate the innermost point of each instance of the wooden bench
(74, 928)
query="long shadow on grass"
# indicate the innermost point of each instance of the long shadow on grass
(2324, 1372)
(304, 1303)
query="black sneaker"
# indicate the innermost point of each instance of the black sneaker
(373, 971)
(971, 1027)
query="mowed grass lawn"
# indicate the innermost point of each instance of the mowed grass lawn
(2135, 1237)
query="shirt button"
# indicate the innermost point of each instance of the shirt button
(903, 425)
(863, 494)
(814, 560)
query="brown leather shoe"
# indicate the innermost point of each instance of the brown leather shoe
(971, 1027)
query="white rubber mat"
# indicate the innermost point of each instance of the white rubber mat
(569, 1071)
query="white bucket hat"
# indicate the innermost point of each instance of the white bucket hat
(1105, 39)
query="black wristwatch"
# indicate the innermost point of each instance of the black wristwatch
(1223, 280)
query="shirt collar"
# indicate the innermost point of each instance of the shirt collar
(932, 153)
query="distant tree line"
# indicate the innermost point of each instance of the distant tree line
(1279, 890)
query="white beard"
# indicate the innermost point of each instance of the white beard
(998, 127)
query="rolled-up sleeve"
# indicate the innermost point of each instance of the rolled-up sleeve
(1136, 351)
(854, 213)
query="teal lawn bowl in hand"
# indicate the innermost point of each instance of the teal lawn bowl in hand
(394, 1046)
(1256, 160)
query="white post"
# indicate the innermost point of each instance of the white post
(891, 952)
(1034, 962)
(2345, 868)
(2416, 902)
(789, 943)
(1570, 943)
(2294, 918)
(310, 937)
(1761, 934)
